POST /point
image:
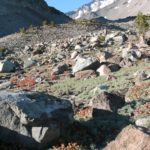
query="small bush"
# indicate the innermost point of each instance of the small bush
(2, 49)
(45, 22)
(70, 146)
(101, 38)
(52, 24)
(22, 30)
(30, 29)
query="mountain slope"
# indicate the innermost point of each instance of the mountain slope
(111, 9)
(16, 14)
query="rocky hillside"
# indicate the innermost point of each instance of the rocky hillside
(80, 85)
(111, 9)
(15, 14)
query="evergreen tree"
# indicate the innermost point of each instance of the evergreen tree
(141, 23)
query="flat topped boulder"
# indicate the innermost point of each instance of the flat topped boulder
(85, 64)
(31, 118)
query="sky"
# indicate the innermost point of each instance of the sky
(66, 5)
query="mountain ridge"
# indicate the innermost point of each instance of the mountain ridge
(16, 14)
(111, 9)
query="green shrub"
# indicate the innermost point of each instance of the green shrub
(22, 30)
(101, 38)
(30, 29)
(45, 22)
(2, 49)
(52, 24)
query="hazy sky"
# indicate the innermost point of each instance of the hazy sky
(66, 5)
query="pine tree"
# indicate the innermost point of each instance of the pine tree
(141, 23)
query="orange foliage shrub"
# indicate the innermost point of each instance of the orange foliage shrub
(70, 146)
(26, 82)
(84, 112)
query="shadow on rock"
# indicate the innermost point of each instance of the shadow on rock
(32, 119)
(96, 132)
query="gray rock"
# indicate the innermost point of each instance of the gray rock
(32, 119)
(74, 54)
(85, 63)
(107, 101)
(27, 48)
(60, 68)
(132, 54)
(39, 48)
(28, 63)
(5, 85)
(6, 66)
(103, 70)
(94, 39)
(77, 47)
(143, 122)
(120, 39)
(114, 67)
(110, 36)
(100, 88)
(126, 63)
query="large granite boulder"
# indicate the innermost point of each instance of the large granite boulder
(32, 119)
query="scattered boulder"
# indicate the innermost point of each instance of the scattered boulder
(39, 48)
(74, 55)
(114, 67)
(27, 48)
(131, 54)
(110, 36)
(117, 38)
(77, 47)
(94, 39)
(29, 62)
(103, 70)
(85, 74)
(130, 138)
(120, 39)
(5, 85)
(32, 119)
(116, 59)
(6, 66)
(60, 69)
(85, 64)
(103, 56)
(100, 88)
(141, 75)
(108, 101)
(126, 63)
(143, 122)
